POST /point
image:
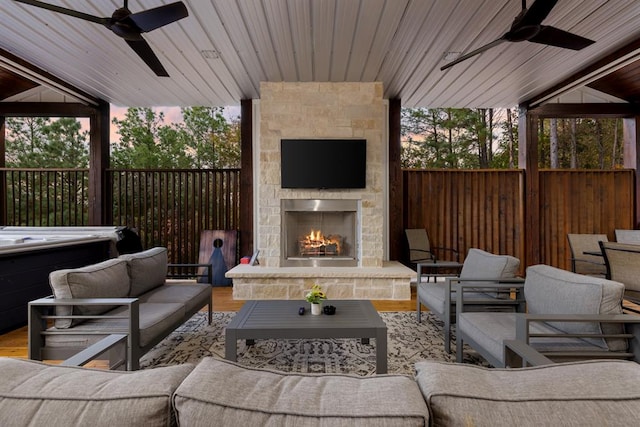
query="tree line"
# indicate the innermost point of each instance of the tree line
(207, 139)
(204, 139)
(488, 138)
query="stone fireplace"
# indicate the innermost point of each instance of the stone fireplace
(320, 232)
(336, 238)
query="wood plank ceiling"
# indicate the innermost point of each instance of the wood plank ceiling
(221, 52)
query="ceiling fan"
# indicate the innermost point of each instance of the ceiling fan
(130, 26)
(527, 26)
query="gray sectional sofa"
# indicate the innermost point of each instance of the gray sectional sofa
(128, 295)
(222, 393)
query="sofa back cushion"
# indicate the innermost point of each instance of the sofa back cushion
(550, 290)
(33, 393)
(107, 279)
(147, 269)
(484, 265)
(229, 394)
(480, 264)
(586, 393)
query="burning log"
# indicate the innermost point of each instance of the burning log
(316, 244)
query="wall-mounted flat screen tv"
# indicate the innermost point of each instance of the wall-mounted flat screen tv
(323, 163)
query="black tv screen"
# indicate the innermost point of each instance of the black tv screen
(323, 163)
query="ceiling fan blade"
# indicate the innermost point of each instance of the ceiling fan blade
(144, 51)
(560, 38)
(537, 13)
(66, 11)
(157, 17)
(473, 53)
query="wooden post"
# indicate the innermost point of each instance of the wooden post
(528, 160)
(631, 135)
(246, 177)
(3, 174)
(396, 212)
(100, 192)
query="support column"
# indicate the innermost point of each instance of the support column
(100, 192)
(3, 174)
(396, 211)
(246, 177)
(631, 135)
(528, 160)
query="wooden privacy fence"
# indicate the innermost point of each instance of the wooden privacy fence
(464, 209)
(485, 208)
(459, 208)
(582, 201)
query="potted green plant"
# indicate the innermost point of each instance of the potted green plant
(315, 296)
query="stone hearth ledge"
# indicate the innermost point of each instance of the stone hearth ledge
(392, 281)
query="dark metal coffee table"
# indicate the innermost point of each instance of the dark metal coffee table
(266, 319)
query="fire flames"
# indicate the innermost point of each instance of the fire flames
(315, 243)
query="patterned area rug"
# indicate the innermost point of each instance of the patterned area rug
(407, 343)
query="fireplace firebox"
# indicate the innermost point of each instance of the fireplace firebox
(320, 232)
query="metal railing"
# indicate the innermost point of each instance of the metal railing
(168, 207)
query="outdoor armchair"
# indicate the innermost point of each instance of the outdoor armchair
(427, 259)
(623, 265)
(584, 254)
(488, 274)
(569, 317)
(631, 237)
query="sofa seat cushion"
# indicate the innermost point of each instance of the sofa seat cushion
(433, 296)
(155, 320)
(33, 393)
(107, 279)
(490, 330)
(550, 290)
(192, 295)
(592, 393)
(229, 394)
(147, 269)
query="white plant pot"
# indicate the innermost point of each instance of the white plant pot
(316, 308)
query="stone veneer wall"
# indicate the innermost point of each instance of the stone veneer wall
(321, 110)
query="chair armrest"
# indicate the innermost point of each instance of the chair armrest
(599, 264)
(523, 321)
(96, 350)
(208, 273)
(50, 301)
(514, 284)
(517, 353)
(452, 250)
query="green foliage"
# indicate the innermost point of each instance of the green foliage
(205, 139)
(448, 138)
(598, 143)
(486, 138)
(38, 142)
